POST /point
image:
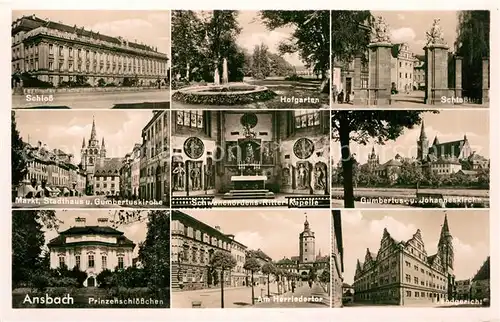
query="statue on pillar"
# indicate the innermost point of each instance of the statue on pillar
(435, 36)
(380, 31)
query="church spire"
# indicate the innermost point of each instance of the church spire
(83, 143)
(422, 131)
(445, 230)
(306, 224)
(93, 134)
(436, 141)
(102, 144)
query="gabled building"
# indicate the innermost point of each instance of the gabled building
(402, 273)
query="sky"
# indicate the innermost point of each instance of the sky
(364, 229)
(448, 125)
(254, 33)
(65, 130)
(411, 26)
(149, 27)
(275, 232)
(136, 232)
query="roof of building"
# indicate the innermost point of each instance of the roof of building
(90, 230)
(484, 271)
(453, 148)
(258, 254)
(109, 166)
(32, 22)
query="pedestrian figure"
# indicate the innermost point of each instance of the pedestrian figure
(293, 286)
(341, 97)
(310, 283)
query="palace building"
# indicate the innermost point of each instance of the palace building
(480, 286)
(91, 248)
(103, 173)
(56, 53)
(193, 244)
(402, 273)
(337, 269)
(261, 154)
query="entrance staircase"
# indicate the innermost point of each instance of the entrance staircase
(249, 194)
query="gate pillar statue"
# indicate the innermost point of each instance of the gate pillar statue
(380, 53)
(436, 66)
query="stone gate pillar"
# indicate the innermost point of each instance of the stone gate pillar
(379, 84)
(436, 73)
(458, 76)
(436, 66)
(359, 94)
(485, 81)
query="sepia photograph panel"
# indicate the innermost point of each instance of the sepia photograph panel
(409, 59)
(236, 259)
(93, 259)
(90, 159)
(423, 258)
(250, 158)
(410, 158)
(269, 59)
(90, 59)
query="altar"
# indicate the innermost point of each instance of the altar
(243, 182)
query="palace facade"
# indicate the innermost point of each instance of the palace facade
(287, 149)
(402, 273)
(91, 248)
(56, 53)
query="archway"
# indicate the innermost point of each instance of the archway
(91, 282)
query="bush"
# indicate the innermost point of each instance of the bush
(224, 98)
(294, 77)
(30, 81)
(105, 279)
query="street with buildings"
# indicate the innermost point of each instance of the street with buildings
(106, 176)
(296, 281)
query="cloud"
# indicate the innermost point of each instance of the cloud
(398, 230)
(352, 217)
(404, 34)
(120, 27)
(252, 239)
(271, 39)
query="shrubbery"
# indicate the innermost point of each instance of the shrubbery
(224, 98)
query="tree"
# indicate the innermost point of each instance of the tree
(311, 36)
(472, 44)
(359, 127)
(154, 252)
(351, 32)
(268, 269)
(260, 62)
(252, 265)
(27, 242)
(225, 262)
(325, 276)
(187, 37)
(19, 167)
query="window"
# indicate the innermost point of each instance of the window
(104, 260)
(408, 278)
(62, 261)
(77, 261)
(51, 49)
(408, 293)
(306, 118)
(192, 119)
(91, 261)
(415, 279)
(120, 262)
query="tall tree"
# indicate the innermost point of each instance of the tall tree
(252, 265)
(310, 38)
(28, 241)
(351, 32)
(260, 62)
(187, 36)
(473, 44)
(154, 253)
(223, 261)
(19, 167)
(268, 269)
(360, 127)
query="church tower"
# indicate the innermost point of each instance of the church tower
(422, 144)
(446, 254)
(90, 156)
(373, 159)
(307, 251)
